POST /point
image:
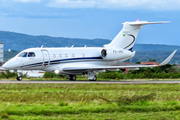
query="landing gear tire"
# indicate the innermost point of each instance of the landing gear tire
(94, 78)
(72, 77)
(19, 78)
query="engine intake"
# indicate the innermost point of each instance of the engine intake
(116, 54)
(103, 53)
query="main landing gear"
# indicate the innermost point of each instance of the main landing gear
(92, 76)
(71, 77)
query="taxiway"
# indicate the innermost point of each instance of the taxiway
(88, 82)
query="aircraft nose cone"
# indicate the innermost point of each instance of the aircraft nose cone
(6, 66)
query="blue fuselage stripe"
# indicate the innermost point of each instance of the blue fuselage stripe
(64, 60)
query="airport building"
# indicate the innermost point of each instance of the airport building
(1, 52)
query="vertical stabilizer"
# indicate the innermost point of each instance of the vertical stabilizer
(127, 36)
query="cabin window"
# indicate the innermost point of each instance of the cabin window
(54, 55)
(73, 55)
(31, 54)
(23, 54)
(60, 55)
(66, 55)
(83, 55)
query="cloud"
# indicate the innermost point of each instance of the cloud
(27, 0)
(117, 4)
(73, 4)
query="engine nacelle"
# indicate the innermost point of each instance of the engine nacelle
(116, 54)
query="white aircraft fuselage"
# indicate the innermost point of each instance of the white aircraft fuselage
(51, 59)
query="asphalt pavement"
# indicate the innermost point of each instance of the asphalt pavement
(88, 82)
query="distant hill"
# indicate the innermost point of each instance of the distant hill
(18, 42)
(156, 47)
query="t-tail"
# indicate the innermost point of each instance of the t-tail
(127, 36)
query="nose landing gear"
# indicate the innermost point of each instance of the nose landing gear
(19, 78)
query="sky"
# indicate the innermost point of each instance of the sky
(92, 19)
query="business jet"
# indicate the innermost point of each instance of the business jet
(84, 60)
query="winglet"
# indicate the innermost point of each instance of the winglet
(167, 59)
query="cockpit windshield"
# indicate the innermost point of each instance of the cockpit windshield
(31, 54)
(26, 54)
(23, 54)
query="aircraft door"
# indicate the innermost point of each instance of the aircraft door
(46, 58)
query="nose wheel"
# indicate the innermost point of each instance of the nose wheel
(19, 78)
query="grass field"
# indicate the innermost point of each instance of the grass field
(89, 101)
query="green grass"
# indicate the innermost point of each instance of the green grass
(98, 79)
(89, 101)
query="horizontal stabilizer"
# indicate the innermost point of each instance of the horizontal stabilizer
(146, 23)
(167, 59)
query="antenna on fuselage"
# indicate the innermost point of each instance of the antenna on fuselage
(42, 46)
(72, 46)
(85, 46)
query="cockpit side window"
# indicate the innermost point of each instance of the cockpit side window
(31, 54)
(23, 54)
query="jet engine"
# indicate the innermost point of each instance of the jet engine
(116, 54)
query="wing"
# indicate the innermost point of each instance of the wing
(130, 67)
